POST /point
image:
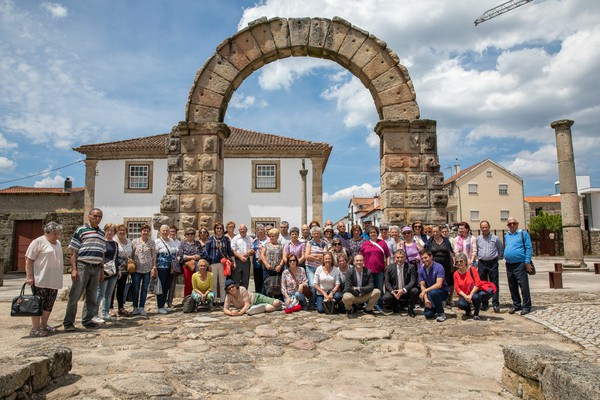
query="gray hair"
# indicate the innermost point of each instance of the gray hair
(394, 227)
(164, 226)
(52, 227)
(316, 229)
(260, 227)
(463, 257)
(294, 229)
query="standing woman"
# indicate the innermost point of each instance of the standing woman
(411, 247)
(175, 275)
(466, 243)
(106, 288)
(376, 254)
(314, 258)
(218, 247)
(355, 242)
(166, 254)
(124, 254)
(337, 250)
(43, 272)
(328, 233)
(144, 256)
(295, 247)
(327, 284)
(418, 233)
(271, 256)
(189, 250)
(230, 230)
(441, 250)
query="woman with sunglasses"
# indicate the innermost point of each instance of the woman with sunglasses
(293, 282)
(189, 250)
(337, 250)
(418, 233)
(411, 246)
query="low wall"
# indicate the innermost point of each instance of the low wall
(542, 372)
(32, 370)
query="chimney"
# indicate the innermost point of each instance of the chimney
(68, 185)
(456, 167)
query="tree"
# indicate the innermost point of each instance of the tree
(546, 222)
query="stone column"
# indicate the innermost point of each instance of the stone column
(303, 173)
(411, 184)
(569, 199)
(194, 195)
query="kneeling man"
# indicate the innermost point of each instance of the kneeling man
(434, 289)
(358, 287)
(401, 283)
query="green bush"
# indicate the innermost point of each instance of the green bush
(546, 222)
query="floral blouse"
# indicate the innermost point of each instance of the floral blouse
(354, 247)
(273, 254)
(190, 249)
(290, 285)
(143, 254)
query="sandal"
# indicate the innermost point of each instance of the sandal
(112, 313)
(38, 333)
(124, 313)
(49, 329)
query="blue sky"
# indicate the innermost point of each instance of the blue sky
(78, 72)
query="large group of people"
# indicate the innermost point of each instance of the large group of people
(379, 270)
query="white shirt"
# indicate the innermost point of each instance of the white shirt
(47, 263)
(241, 244)
(327, 281)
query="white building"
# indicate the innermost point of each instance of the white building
(262, 181)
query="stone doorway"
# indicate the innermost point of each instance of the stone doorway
(411, 183)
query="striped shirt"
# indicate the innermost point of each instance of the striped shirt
(89, 243)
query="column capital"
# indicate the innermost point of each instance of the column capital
(562, 123)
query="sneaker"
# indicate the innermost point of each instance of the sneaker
(97, 320)
(169, 309)
(142, 312)
(496, 309)
(135, 311)
(475, 317)
(38, 333)
(514, 310)
(411, 313)
(377, 308)
(525, 312)
(485, 308)
(108, 317)
(91, 325)
(441, 317)
(162, 311)
(69, 328)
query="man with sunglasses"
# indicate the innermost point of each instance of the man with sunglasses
(517, 253)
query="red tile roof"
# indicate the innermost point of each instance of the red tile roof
(463, 172)
(35, 190)
(542, 199)
(240, 139)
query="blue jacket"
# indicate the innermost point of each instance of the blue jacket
(513, 247)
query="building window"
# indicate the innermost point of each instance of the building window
(504, 214)
(472, 188)
(266, 221)
(488, 173)
(134, 226)
(474, 215)
(265, 176)
(452, 219)
(503, 189)
(138, 176)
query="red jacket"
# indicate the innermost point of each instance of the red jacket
(464, 282)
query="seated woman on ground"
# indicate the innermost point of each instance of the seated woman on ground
(240, 301)
(202, 285)
(293, 281)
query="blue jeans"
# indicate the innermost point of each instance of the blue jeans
(139, 296)
(436, 297)
(518, 279)
(488, 271)
(477, 298)
(310, 276)
(164, 274)
(106, 290)
(378, 284)
(337, 297)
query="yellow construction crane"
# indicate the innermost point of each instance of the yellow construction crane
(501, 9)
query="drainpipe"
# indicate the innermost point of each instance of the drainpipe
(303, 173)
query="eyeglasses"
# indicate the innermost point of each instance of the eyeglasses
(406, 233)
(417, 227)
(460, 261)
(189, 234)
(204, 232)
(512, 224)
(337, 244)
(219, 228)
(292, 260)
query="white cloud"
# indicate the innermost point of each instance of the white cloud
(364, 190)
(55, 9)
(49, 182)
(282, 74)
(534, 164)
(5, 144)
(7, 165)
(241, 101)
(354, 101)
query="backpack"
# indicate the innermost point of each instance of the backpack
(189, 304)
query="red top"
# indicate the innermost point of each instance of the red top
(463, 283)
(375, 256)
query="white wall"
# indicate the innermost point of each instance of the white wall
(241, 204)
(595, 202)
(110, 193)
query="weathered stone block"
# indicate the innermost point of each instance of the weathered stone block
(430, 162)
(264, 39)
(169, 202)
(417, 198)
(407, 110)
(335, 37)
(391, 162)
(190, 144)
(395, 95)
(352, 42)
(39, 369)
(188, 219)
(394, 180)
(183, 182)
(571, 381)
(400, 142)
(416, 181)
(230, 51)
(190, 162)
(395, 216)
(220, 66)
(210, 144)
(174, 163)
(209, 182)
(208, 203)
(428, 142)
(299, 33)
(318, 33)
(188, 203)
(386, 81)
(436, 216)
(439, 198)
(202, 113)
(248, 45)
(435, 180)
(209, 162)
(392, 199)
(520, 386)
(12, 378)
(531, 360)
(281, 36)
(211, 81)
(161, 219)
(173, 145)
(206, 220)
(381, 63)
(416, 214)
(207, 97)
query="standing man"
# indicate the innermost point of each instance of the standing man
(284, 233)
(401, 284)
(434, 289)
(518, 253)
(384, 235)
(87, 255)
(358, 287)
(305, 230)
(342, 234)
(243, 252)
(489, 250)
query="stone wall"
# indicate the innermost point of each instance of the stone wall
(591, 243)
(542, 372)
(70, 220)
(32, 370)
(54, 201)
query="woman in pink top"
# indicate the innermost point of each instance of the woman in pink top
(377, 255)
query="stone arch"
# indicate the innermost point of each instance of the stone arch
(411, 184)
(265, 41)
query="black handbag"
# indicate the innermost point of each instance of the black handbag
(26, 305)
(273, 286)
(128, 291)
